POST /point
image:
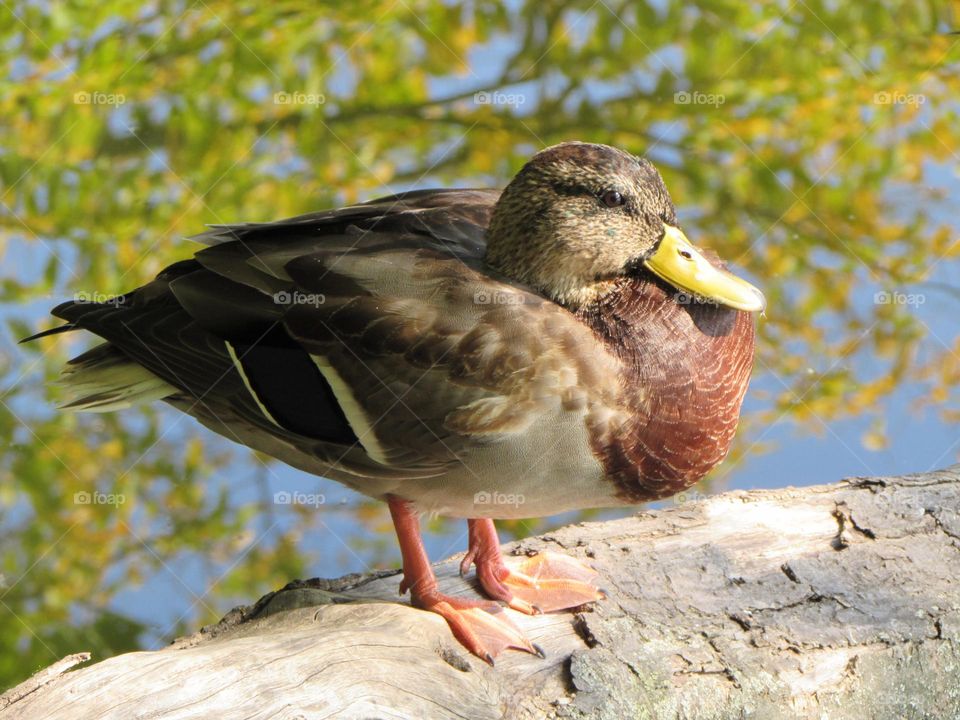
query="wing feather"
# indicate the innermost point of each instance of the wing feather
(382, 319)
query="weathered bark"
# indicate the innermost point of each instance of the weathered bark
(835, 601)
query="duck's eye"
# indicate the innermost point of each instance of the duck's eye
(612, 198)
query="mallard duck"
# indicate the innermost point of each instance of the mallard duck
(479, 354)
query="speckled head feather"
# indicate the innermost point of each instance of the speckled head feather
(575, 218)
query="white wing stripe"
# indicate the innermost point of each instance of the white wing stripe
(246, 381)
(352, 410)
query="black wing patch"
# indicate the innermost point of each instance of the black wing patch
(264, 376)
(289, 385)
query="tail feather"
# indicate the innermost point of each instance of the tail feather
(105, 379)
(51, 331)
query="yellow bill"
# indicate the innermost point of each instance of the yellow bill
(683, 266)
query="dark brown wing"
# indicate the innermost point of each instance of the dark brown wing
(370, 337)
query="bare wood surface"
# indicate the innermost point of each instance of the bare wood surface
(41, 678)
(833, 601)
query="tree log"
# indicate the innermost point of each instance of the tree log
(832, 601)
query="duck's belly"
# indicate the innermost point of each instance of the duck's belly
(549, 469)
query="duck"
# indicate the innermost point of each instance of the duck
(479, 354)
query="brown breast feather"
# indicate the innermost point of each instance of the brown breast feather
(686, 370)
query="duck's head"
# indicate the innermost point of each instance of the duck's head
(579, 217)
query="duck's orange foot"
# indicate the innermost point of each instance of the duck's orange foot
(480, 625)
(545, 582)
(482, 628)
(539, 583)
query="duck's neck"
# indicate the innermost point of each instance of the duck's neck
(686, 367)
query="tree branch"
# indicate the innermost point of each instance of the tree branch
(837, 601)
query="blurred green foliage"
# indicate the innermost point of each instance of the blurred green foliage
(797, 138)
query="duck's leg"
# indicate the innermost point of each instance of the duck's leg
(541, 583)
(482, 627)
